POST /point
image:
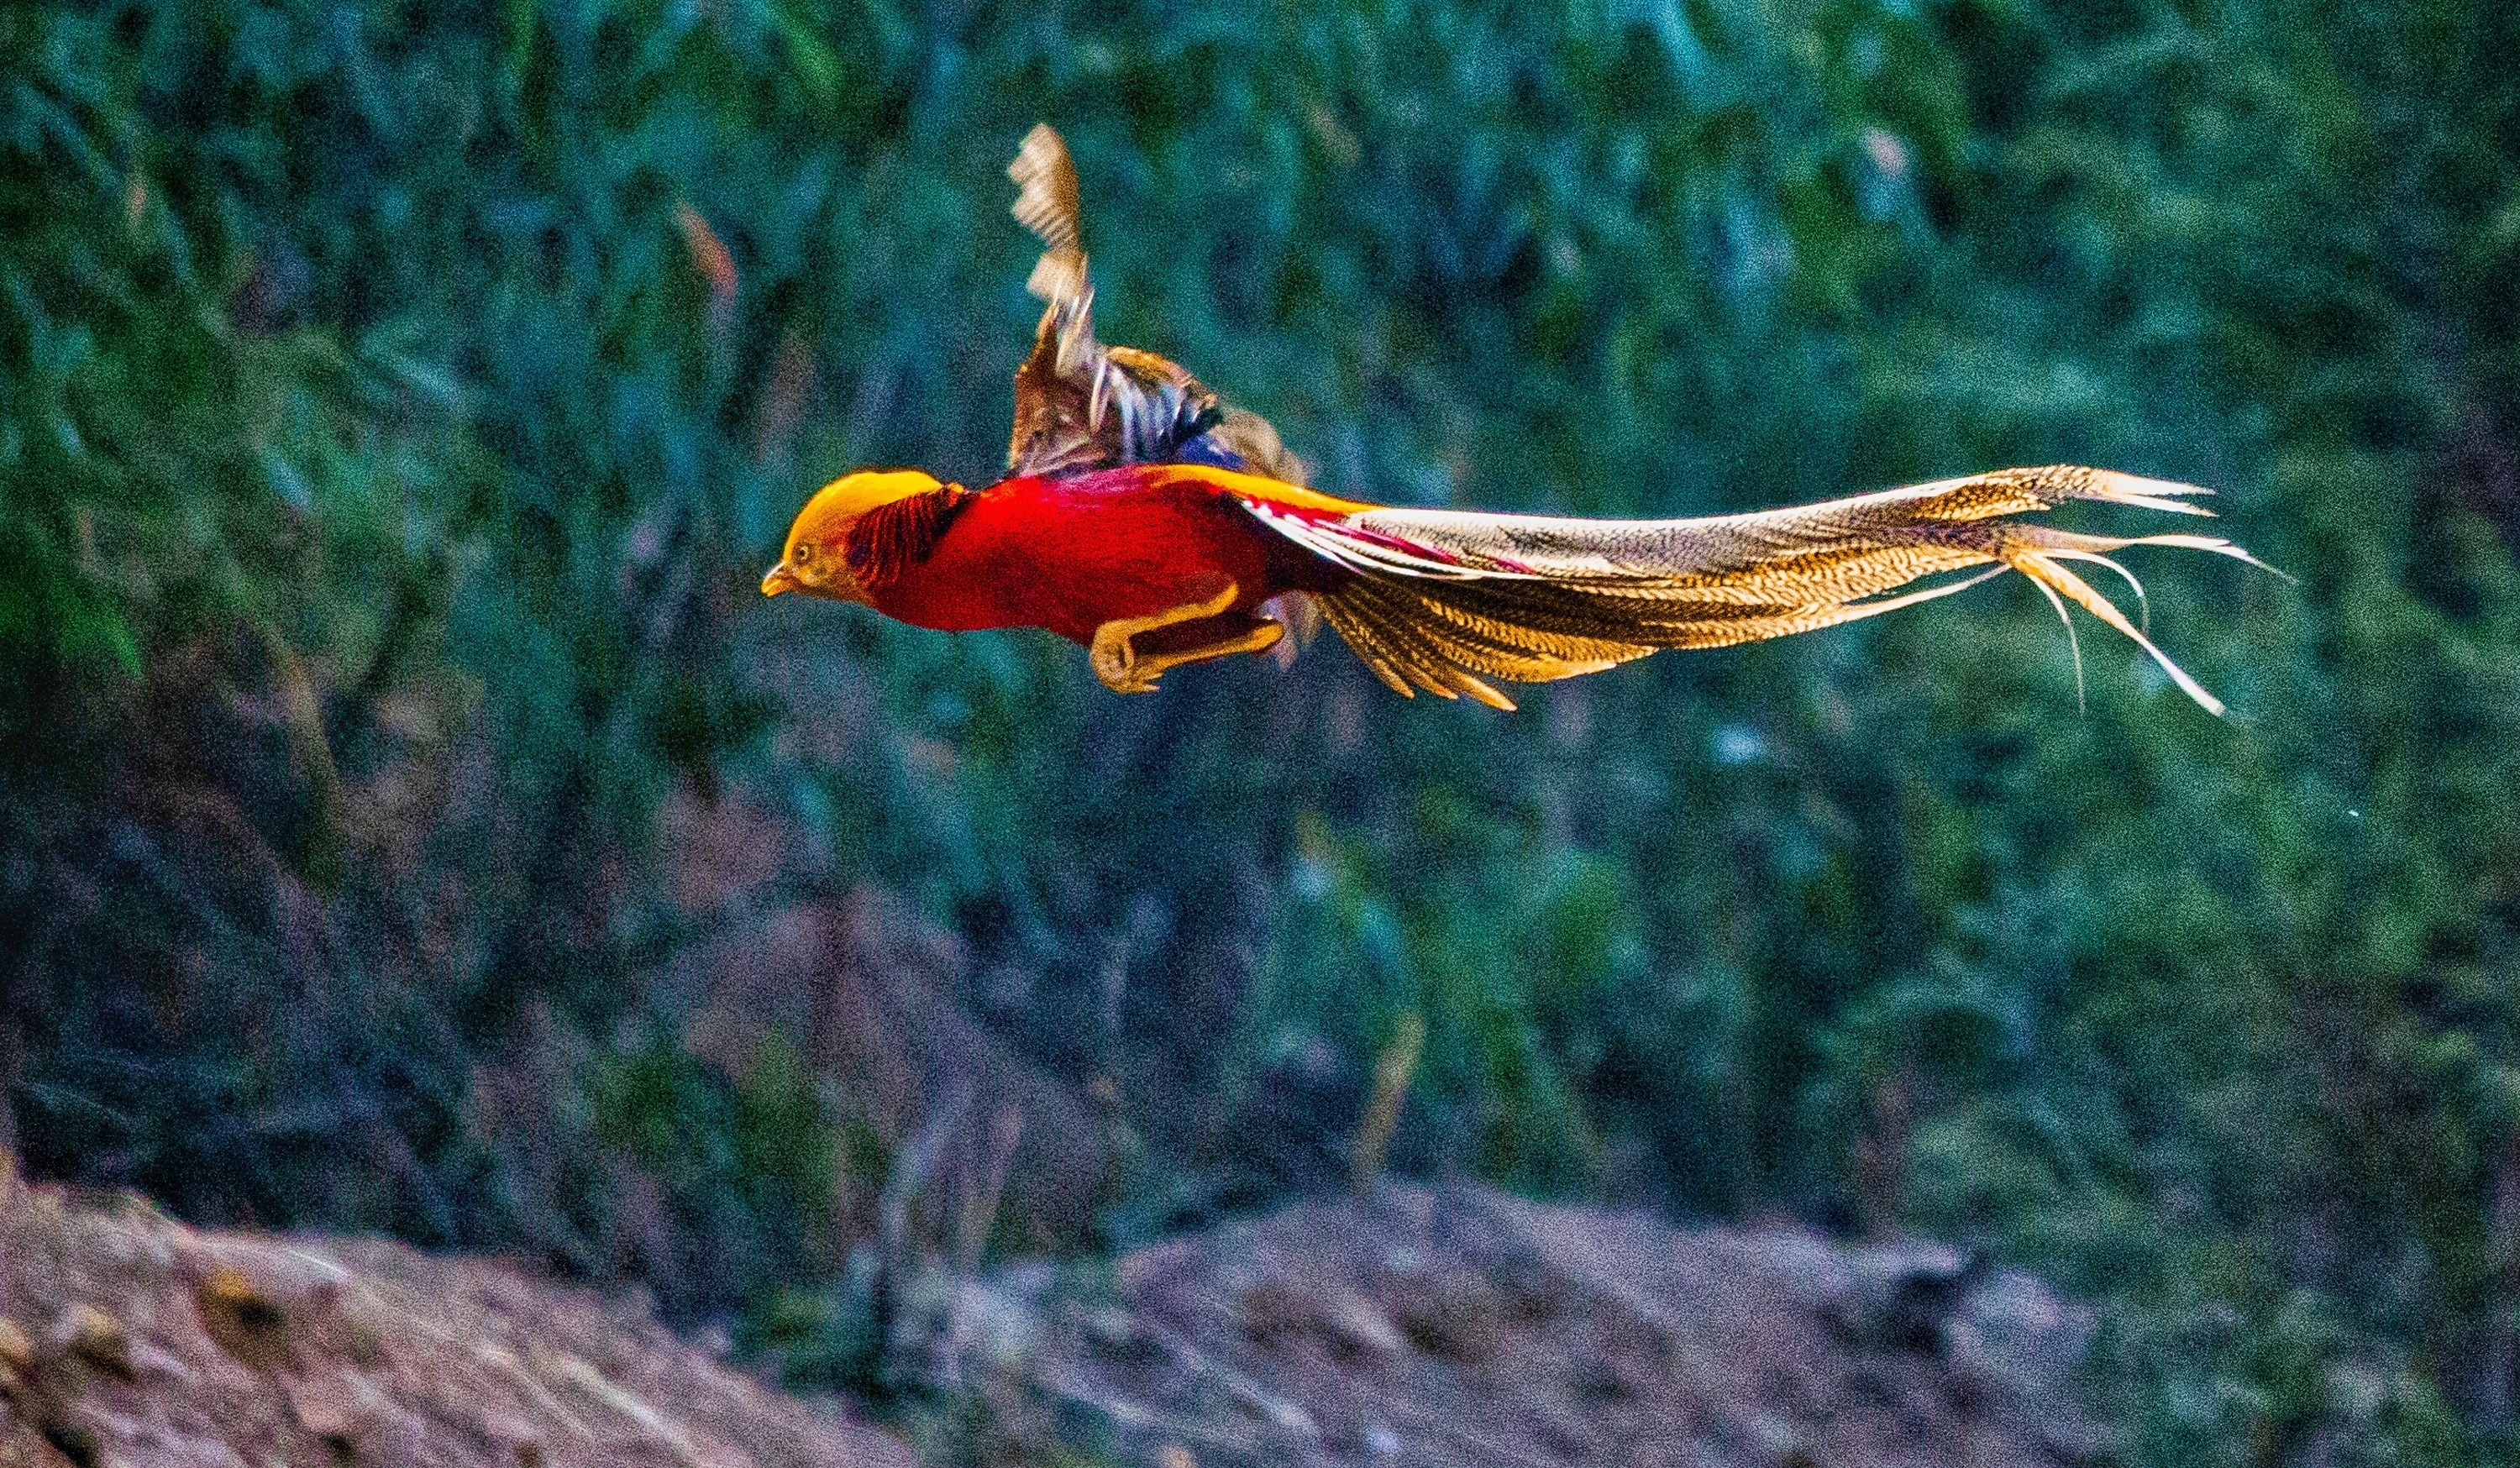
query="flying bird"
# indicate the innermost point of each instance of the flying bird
(1150, 521)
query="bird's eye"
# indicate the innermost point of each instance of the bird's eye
(803, 555)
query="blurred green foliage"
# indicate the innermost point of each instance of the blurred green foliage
(413, 820)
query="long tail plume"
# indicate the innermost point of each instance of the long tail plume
(1442, 596)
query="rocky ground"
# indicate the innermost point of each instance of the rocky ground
(128, 1339)
(1463, 1327)
(1424, 1327)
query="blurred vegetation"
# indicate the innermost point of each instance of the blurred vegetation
(414, 821)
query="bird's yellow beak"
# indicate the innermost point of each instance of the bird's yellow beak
(779, 579)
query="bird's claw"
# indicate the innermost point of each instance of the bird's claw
(1115, 662)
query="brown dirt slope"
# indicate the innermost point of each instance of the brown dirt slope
(128, 1339)
(1460, 1326)
(1426, 1328)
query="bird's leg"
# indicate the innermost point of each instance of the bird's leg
(1152, 665)
(1123, 669)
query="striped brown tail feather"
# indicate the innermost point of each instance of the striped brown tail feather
(1444, 600)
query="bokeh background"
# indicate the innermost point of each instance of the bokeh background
(411, 819)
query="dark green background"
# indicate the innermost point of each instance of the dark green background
(411, 819)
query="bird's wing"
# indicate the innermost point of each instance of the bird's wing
(1081, 405)
(1438, 597)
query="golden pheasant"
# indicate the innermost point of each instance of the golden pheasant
(1147, 520)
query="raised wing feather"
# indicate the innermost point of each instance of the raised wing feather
(1439, 598)
(1081, 405)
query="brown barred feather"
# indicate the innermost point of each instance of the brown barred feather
(1440, 595)
(1081, 405)
(1046, 203)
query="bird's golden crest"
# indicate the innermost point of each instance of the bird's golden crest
(815, 560)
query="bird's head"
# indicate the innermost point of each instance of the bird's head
(817, 557)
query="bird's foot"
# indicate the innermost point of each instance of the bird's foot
(1123, 669)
